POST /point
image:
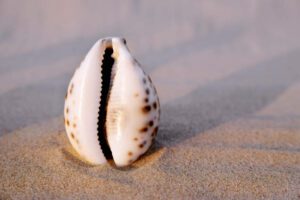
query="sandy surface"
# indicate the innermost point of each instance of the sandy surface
(228, 76)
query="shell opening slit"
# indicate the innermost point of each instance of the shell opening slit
(106, 71)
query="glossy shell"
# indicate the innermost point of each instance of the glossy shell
(112, 103)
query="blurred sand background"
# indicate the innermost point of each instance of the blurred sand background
(227, 73)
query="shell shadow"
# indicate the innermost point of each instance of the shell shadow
(74, 160)
(72, 157)
(238, 95)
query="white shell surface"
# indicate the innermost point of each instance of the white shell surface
(132, 110)
(82, 106)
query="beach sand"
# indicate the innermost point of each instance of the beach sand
(245, 159)
(228, 77)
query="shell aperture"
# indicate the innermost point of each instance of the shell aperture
(107, 64)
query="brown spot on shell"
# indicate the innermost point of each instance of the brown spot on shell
(129, 153)
(136, 94)
(146, 109)
(144, 80)
(66, 96)
(145, 129)
(143, 144)
(154, 105)
(67, 122)
(74, 125)
(67, 110)
(146, 100)
(147, 91)
(151, 123)
(135, 139)
(71, 88)
(72, 135)
(154, 133)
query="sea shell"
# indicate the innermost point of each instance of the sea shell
(111, 107)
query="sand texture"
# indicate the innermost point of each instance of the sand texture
(227, 74)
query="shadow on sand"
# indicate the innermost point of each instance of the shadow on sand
(238, 95)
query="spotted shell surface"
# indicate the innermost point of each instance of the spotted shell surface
(120, 108)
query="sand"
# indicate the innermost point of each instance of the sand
(228, 78)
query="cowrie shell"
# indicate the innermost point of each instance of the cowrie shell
(111, 106)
